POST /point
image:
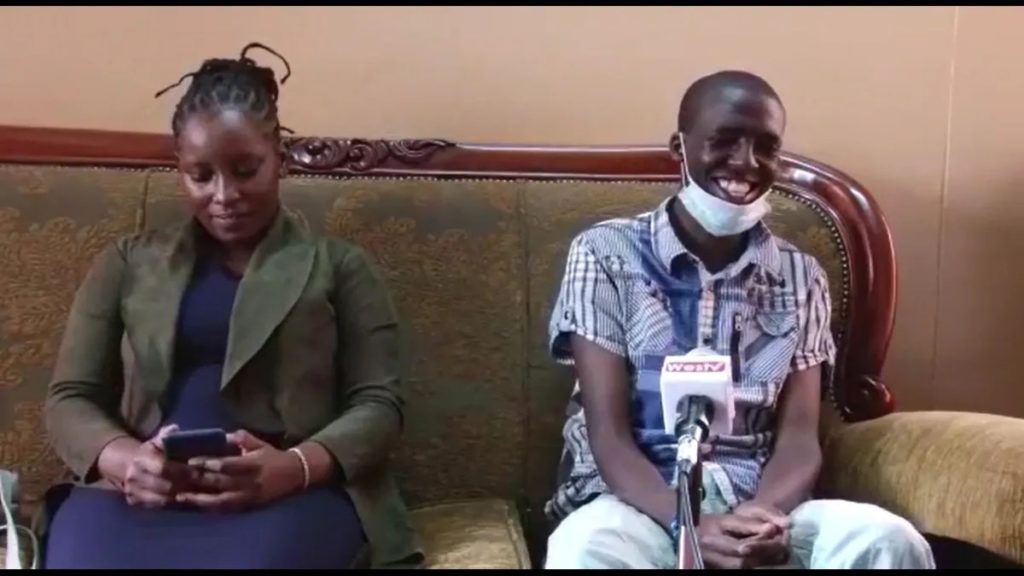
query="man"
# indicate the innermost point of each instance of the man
(702, 270)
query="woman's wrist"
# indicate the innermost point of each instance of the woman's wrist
(304, 477)
(315, 463)
(114, 459)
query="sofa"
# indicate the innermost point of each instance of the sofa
(472, 241)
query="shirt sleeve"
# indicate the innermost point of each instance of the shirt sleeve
(815, 345)
(588, 305)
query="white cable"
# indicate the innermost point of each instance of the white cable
(13, 561)
(8, 486)
(35, 546)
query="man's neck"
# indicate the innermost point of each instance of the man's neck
(715, 252)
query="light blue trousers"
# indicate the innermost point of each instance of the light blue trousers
(824, 534)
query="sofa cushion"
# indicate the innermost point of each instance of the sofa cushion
(483, 533)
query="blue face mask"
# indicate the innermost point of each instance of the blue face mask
(716, 216)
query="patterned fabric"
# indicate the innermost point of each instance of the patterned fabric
(632, 288)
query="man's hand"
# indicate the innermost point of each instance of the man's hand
(734, 541)
(261, 474)
(763, 513)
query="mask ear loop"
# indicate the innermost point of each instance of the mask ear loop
(684, 169)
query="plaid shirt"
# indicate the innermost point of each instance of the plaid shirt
(632, 288)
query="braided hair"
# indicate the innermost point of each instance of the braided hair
(232, 84)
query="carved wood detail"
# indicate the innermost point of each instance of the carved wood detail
(358, 155)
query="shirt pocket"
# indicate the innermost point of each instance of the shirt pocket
(769, 344)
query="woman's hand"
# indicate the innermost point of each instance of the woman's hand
(261, 474)
(150, 480)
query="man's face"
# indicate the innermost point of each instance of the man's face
(733, 147)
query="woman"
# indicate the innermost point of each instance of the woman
(238, 319)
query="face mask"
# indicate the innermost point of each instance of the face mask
(718, 217)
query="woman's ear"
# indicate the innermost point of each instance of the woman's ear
(283, 170)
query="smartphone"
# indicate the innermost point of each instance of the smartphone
(187, 444)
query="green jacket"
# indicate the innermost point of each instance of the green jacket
(313, 353)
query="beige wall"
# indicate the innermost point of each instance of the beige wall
(917, 103)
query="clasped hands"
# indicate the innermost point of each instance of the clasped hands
(261, 474)
(752, 535)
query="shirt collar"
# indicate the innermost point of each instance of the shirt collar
(762, 249)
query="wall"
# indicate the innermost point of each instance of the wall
(917, 103)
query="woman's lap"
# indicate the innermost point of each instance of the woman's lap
(97, 529)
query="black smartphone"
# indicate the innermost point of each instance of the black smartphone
(187, 444)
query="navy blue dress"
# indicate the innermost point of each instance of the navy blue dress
(94, 528)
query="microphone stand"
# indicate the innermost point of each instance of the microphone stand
(693, 424)
(688, 490)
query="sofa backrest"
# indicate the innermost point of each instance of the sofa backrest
(472, 240)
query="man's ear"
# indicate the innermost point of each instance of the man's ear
(675, 147)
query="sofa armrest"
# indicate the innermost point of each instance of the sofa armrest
(953, 474)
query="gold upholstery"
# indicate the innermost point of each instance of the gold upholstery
(953, 474)
(477, 534)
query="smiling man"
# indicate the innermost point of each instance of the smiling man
(703, 271)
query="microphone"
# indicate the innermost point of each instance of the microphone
(696, 400)
(694, 416)
(697, 390)
(693, 424)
